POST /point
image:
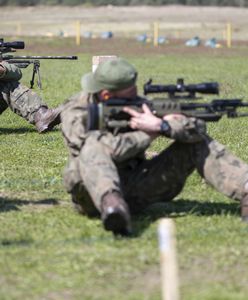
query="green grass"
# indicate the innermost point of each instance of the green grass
(47, 251)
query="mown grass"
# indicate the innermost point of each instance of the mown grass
(47, 251)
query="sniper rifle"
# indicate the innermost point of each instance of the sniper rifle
(109, 115)
(24, 61)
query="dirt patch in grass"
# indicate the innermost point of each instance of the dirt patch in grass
(125, 47)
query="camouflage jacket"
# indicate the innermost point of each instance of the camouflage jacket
(123, 146)
(74, 119)
(12, 72)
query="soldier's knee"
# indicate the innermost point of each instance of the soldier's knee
(72, 176)
(240, 192)
(207, 152)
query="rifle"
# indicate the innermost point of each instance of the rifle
(109, 115)
(25, 61)
(181, 90)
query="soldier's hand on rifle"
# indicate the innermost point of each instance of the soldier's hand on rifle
(144, 121)
(149, 123)
(175, 118)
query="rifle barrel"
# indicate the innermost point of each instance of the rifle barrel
(72, 57)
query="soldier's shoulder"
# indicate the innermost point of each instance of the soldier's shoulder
(74, 104)
(76, 100)
(75, 97)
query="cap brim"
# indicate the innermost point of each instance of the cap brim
(89, 84)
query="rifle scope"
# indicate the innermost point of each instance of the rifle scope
(14, 45)
(180, 87)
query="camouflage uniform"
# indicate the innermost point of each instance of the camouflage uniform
(19, 98)
(100, 162)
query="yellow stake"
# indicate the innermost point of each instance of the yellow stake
(78, 33)
(155, 34)
(229, 35)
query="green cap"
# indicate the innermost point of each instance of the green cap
(113, 74)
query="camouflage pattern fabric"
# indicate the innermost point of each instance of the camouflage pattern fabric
(100, 162)
(19, 98)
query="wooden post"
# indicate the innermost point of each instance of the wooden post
(78, 33)
(168, 261)
(155, 34)
(229, 35)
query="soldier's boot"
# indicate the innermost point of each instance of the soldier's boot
(45, 119)
(244, 209)
(115, 214)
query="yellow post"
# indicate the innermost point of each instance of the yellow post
(18, 29)
(155, 34)
(229, 35)
(78, 33)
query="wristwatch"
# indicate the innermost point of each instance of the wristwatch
(165, 128)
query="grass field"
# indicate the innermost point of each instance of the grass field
(47, 251)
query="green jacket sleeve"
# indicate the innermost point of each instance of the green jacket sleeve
(12, 72)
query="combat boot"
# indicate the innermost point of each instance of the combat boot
(244, 209)
(45, 119)
(115, 214)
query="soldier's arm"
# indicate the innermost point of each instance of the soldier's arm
(9, 72)
(122, 147)
(126, 145)
(184, 129)
(73, 117)
(181, 128)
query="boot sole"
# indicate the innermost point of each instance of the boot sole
(117, 224)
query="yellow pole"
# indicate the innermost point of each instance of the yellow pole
(18, 29)
(229, 35)
(155, 34)
(78, 33)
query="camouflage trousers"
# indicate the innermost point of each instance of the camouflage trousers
(20, 99)
(93, 173)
